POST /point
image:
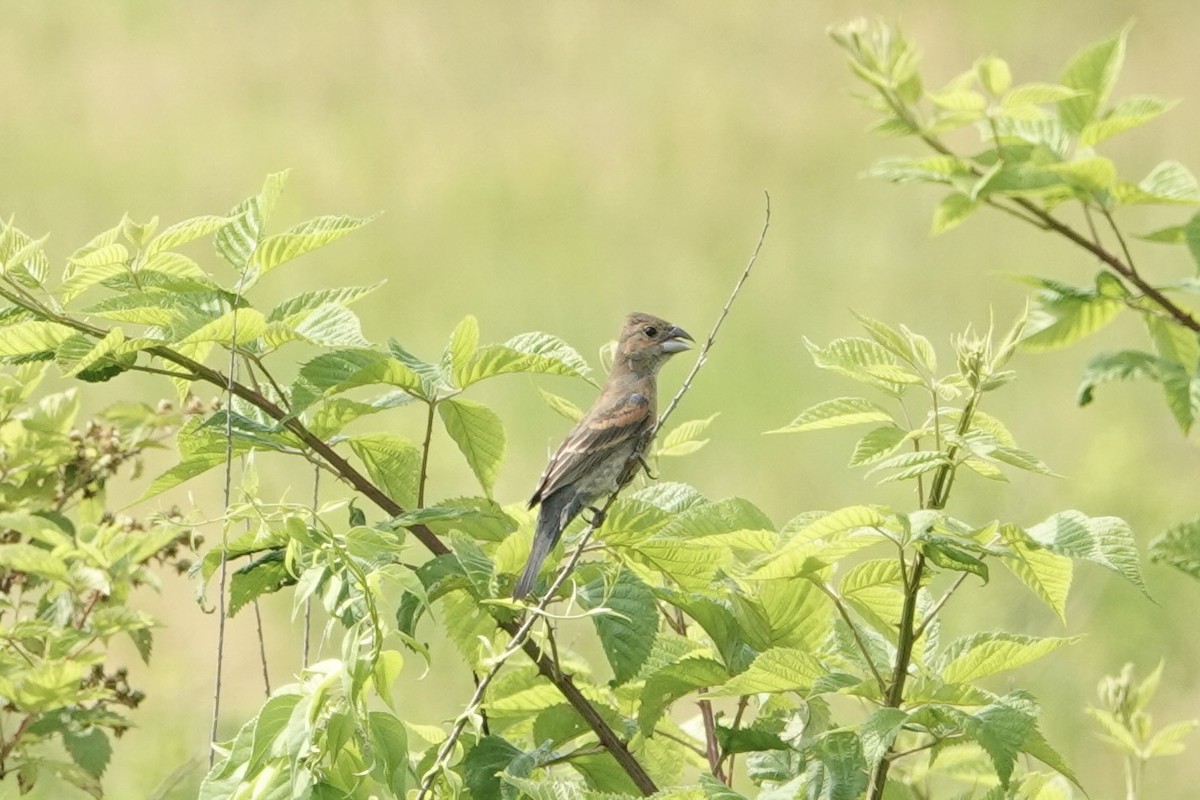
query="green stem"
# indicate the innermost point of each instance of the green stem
(909, 633)
(432, 403)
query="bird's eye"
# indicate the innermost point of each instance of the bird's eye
(650, 331)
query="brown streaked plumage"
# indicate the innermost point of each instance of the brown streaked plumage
(594, 459)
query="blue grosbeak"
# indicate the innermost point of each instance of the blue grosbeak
(602, 452)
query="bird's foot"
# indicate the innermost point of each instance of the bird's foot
(597, 517)
(645, 466)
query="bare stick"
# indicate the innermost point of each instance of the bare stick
(538, 611)
(712, 335)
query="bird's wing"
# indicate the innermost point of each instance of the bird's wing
(606, 429)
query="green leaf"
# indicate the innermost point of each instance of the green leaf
(529, 352)
(1130, 113)
(1123, 366)
(1174, 342)
(628, 633)
(1032, 94)
(304, 238)
(182, 472)
(994, 74)
(1106, 541)
(337, 412)
(879, 443)
(675, 680)
(977, 656)
(32, 560)
(241, 326)
(836, 770)
(1179, 547)
(561, 405)
(237, 241)
(299, 305)
(1092, 73)
(825, 540)
(1002, 730)
(1046, 574)
(684, 439)
(393, 462)
(1169, 183)
(951, 212)
(263, 576)
(183, 232)
(878, 731)
(780, 669)
(389, 746)
(836, 413)
(90, 749)
(463, 344)
(36, 336)
(1092, 174)
(1064, 315)
(483, 765)
(332, 325)
(91, 269)
(341, 370)
(1167, 741)
(865, 361)
(479, 434)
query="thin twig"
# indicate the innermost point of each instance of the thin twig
(224, 568)
(862, 646)
(537, 612)
(712, 335)
(425, 454)
(933, 612)
(262, 648)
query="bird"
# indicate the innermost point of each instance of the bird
(604, 449)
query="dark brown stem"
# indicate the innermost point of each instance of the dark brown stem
(712, 747)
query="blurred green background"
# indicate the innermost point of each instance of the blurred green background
(553, 166)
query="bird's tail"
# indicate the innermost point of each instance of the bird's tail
(550, 524)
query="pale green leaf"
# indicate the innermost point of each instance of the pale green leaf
(1167, 742)
(877, 444)
(994, 74)
(479, 434)
(983, 654)
(332, 325)
(780, 669)
(393, 462)
(529, 352)
(836, 413)
(1130, 113)
(951, 212)
(304, 238)
(1106, 541)
(1179, 547)
(1062, 319)
(1092, 174)
(685, 437)
(183, 232)
(1046, 574)
(35, 336)
(1092, 73)
(561, 405)
(239, 327)
(294, 308)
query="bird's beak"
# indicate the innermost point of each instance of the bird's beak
(677, 340)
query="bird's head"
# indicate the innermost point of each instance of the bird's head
(648, 341)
